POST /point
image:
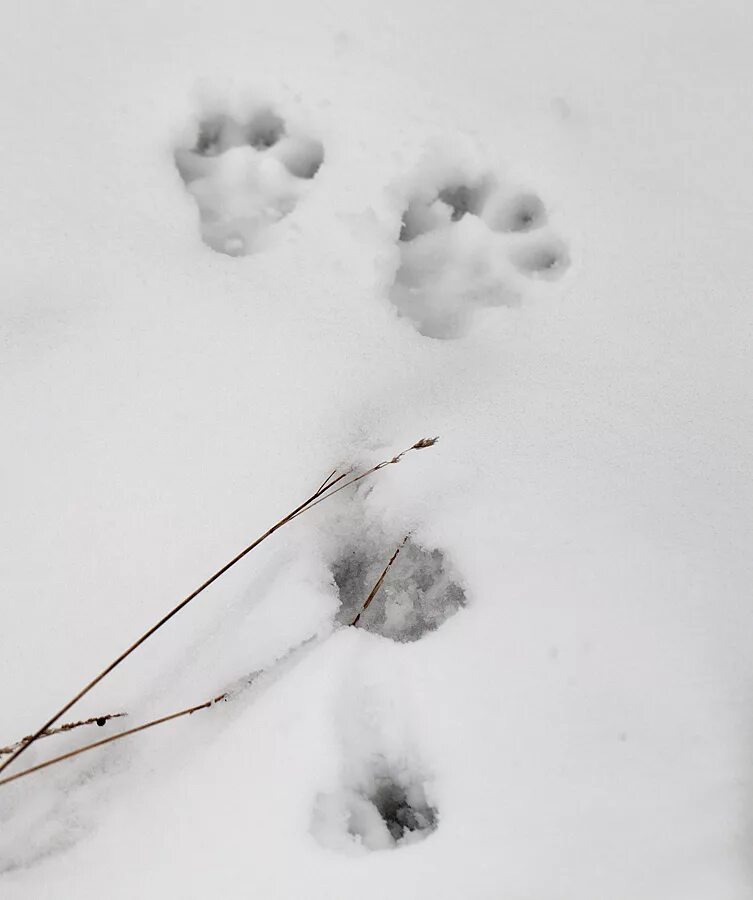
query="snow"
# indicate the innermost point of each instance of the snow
(578, 726)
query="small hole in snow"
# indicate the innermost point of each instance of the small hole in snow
(303, 157)
(417, 220)
(383, 813)
(463, 200)
(547, 260)
(525, 212)
(398, 813)
(265, 130)
(211, 137)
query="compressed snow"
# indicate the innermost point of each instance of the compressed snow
(524, 232)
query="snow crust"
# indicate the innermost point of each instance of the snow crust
(521, 226)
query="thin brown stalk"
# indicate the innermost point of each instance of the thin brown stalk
(166, 618)
(379, 582)
(326, 490)
(184, 712)
(68, 726)
(110, 739)
(324, 484)
(419, 445)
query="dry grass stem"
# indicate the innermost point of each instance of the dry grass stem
(325, 491)
(68, 726)
(419, 445)
(326, 481)
(379, 582)
(184, 712)
(110, 739)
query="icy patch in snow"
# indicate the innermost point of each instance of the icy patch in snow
(245, 176)
(385, 811)
(469, 240)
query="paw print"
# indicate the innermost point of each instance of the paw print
(245, 176)
(468, 241)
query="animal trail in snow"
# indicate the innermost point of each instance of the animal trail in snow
(469, 240)
(245, 175)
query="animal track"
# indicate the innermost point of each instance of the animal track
(384, 812)
(468, 241)
(383, 795)
(421, 589)
(245, 176)
(417, 596)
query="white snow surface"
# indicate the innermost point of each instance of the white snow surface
(581, 728)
